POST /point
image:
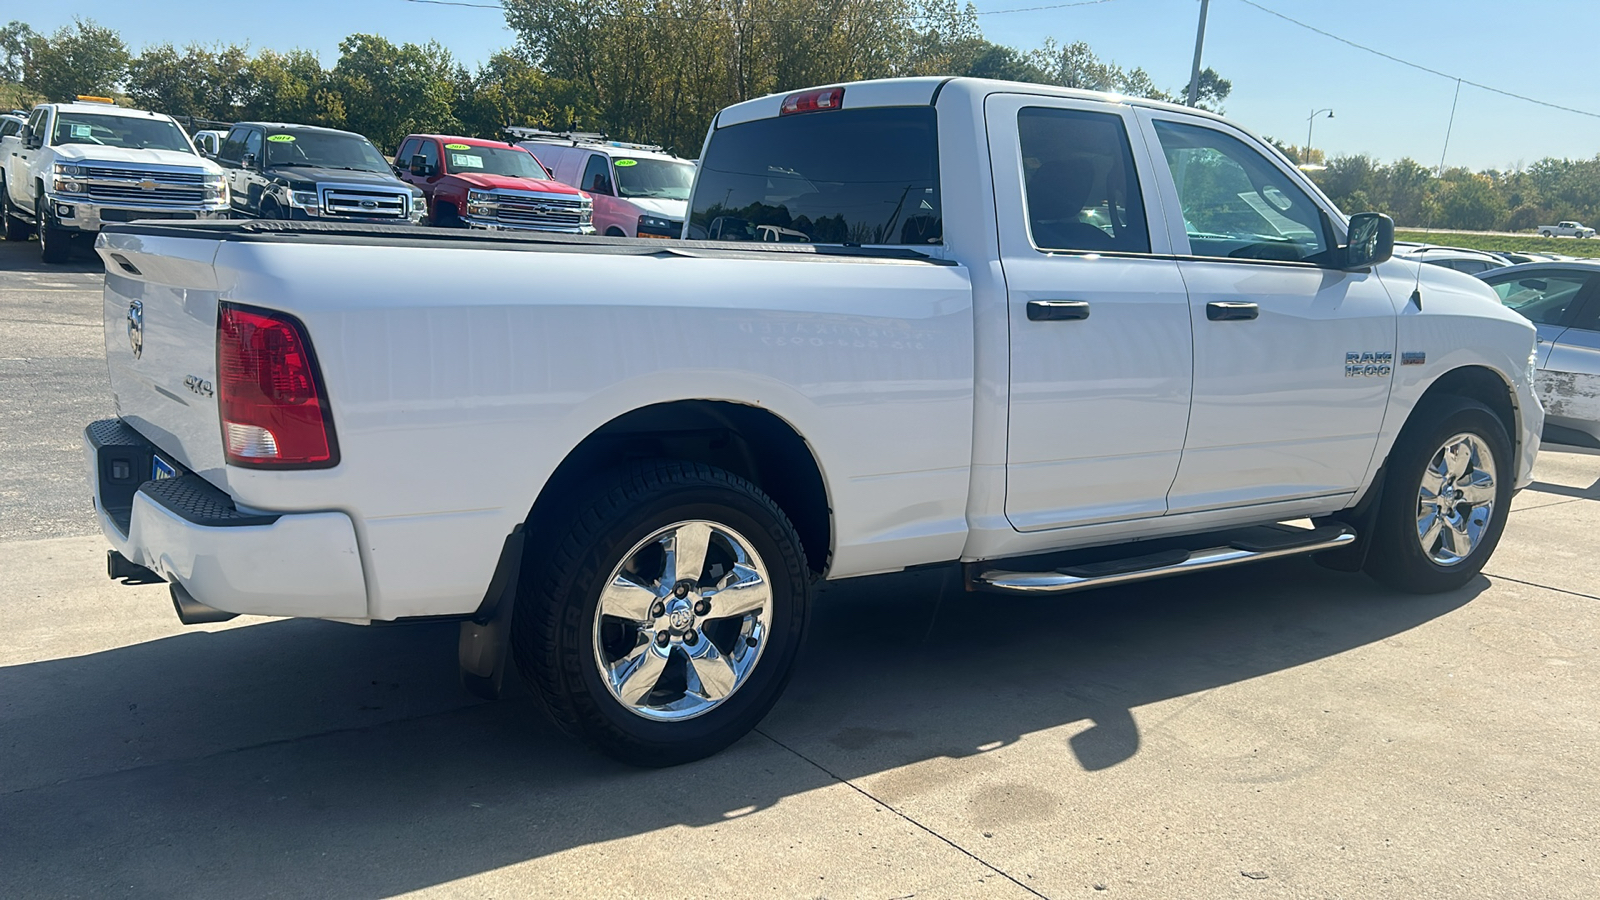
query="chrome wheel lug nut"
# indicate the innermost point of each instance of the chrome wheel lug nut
(691, 636)
(658, 610)
(662, 638)
(702, 608)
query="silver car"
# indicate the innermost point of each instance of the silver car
(1562, 300)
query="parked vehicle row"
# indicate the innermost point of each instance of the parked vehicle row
(69, 168)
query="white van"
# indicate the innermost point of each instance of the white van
(639, 190)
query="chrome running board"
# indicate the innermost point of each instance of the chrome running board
(1266, 542)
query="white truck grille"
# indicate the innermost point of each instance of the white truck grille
(143, 186)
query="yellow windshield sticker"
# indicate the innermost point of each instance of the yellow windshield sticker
(457, 147)
(281, 138)
(624, 163)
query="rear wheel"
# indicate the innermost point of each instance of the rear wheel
(663, 623)
(1446, 497)
(16, 228)
(55, 244)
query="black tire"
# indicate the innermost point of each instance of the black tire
(553, 628)
(1397, 558)
(1546, 234)
(55, 244)
(16, 229)
(447, 216)
(614, 231)
(271, 210)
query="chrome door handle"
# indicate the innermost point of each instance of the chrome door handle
(1057, 310)
(1231, 310)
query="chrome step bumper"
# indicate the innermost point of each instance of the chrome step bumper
(1264, 543)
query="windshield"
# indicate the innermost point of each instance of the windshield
(133, 132)
(654, 179)
(512, 162)
(864, 176)
(327, 149)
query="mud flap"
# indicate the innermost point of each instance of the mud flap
(485, 644)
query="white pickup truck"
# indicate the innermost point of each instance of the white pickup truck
(76, 166)
(1566, 229)
(1064, 339)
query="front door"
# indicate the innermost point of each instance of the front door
(1099, 320)
(1292, 358)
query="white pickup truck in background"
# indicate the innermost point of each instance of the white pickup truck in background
(76, 166)
(1066, 339)
(1566, 229)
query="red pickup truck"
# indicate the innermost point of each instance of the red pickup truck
(474, 183)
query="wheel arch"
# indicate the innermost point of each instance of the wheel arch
(752, 442)
(1485, 385)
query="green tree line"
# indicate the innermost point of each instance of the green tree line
(658, 70)
(639, 70)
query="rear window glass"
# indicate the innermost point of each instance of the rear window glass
(863, 176)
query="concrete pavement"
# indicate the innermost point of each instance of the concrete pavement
(1272, 732)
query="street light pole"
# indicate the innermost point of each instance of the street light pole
(1199, 42)
(1310, 121)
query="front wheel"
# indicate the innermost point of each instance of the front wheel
(664, 620)
(1447, 494)
(55, 244)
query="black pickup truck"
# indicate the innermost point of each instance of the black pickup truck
(281, 171)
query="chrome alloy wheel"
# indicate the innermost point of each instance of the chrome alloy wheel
(1455, 503)
(682, 621)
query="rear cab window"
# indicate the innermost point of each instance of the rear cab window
(847, 176)
(1082, 188)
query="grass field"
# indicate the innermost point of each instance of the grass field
(1528, 244)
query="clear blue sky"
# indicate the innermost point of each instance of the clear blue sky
(1279, 72)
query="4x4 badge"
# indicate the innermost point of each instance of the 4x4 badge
(136, 327)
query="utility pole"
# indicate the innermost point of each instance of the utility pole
(1199, 42)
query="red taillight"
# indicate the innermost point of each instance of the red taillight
(812, 101)
(269, 392)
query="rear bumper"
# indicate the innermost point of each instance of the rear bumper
(191, 533)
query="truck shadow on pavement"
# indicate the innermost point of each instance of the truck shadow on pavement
(310, 759)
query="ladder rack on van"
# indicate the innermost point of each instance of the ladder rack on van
(575, 138)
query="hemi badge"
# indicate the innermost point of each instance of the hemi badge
(1413, 358)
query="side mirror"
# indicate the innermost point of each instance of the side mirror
(1371, 240)
(249, 161)
(33, 142)
(420, 167)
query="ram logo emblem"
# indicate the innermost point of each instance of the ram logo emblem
(1359, 365)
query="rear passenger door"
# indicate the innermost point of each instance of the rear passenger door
(1099, 318)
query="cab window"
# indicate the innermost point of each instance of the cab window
(407, 150)
(252, 146)
(1542, 298)
(233, 147)
(597, 175)
(10, 128)
(1236, 204)
(430, 155)
(1083, 193)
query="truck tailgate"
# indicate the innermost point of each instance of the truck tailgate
(160, 329)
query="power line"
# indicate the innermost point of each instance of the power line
(1418, 66)
(990, 12)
